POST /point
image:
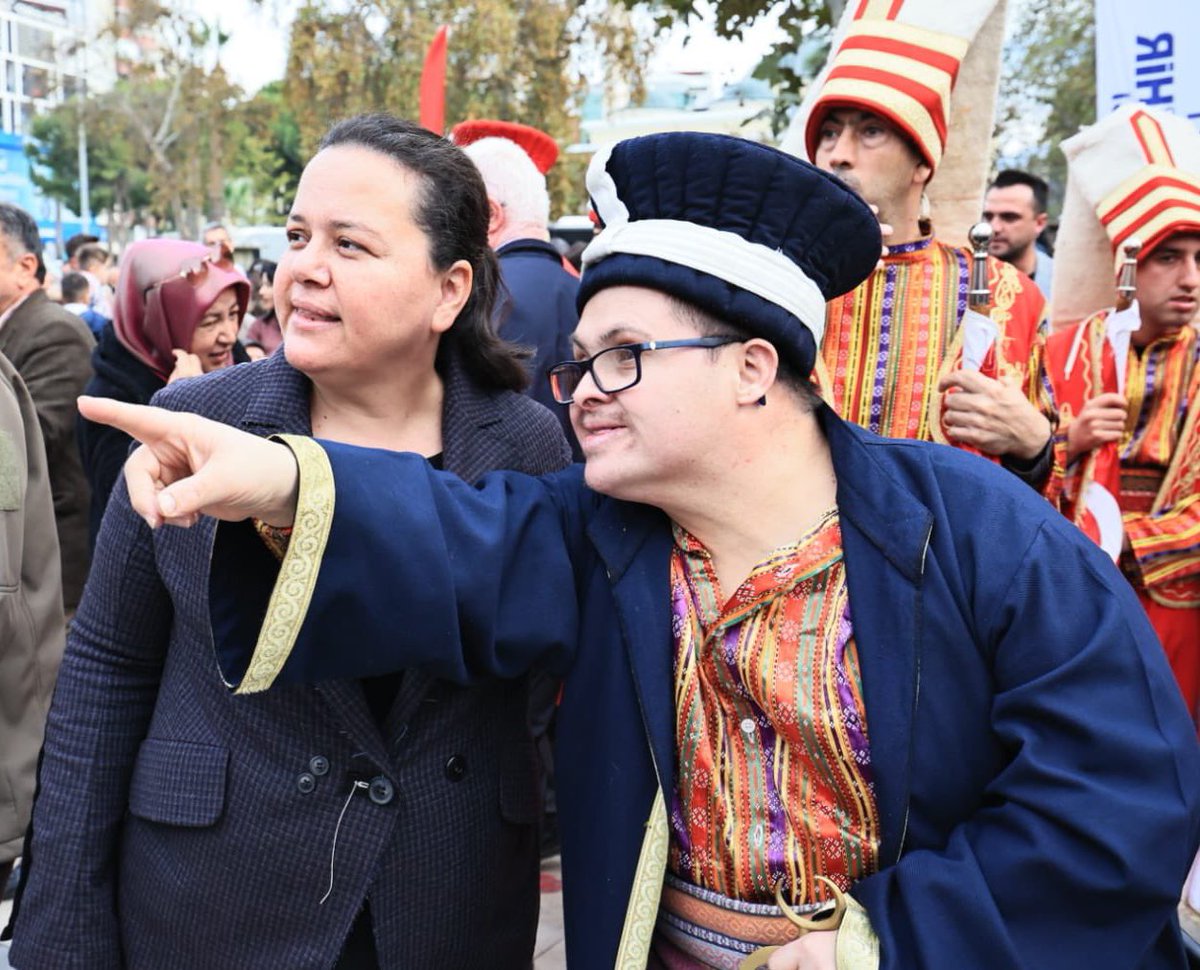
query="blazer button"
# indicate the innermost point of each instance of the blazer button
(319, 766)
(381, 791)
(306, 783)
(456, 768)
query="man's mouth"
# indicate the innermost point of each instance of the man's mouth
(594, 432)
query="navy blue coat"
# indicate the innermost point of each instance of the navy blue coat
(537, 310)
(1037, 775)
(179, 826)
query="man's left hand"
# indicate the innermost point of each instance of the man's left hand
(992, 415)
(813, 951)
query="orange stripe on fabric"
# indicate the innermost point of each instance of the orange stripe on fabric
(886, 45)
(908, 341)
(895, 11)
(929, 99)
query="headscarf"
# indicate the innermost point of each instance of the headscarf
(164, 289)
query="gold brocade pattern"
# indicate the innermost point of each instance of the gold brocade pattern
(301, 563)
(857, 944)
(1005, 285)
(642, 912)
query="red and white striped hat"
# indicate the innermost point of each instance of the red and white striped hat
(1140, 169)
(1135, 173)
(898, 59)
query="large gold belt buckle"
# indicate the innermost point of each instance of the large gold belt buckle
(758, 959)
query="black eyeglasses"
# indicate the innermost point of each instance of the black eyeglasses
(617, 368)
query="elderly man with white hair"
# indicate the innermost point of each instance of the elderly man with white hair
(538, 309)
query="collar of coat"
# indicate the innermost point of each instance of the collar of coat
(894, 521)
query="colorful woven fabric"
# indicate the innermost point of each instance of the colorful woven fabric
(698, 928)
(1160, 463)
(888, 342)
(774, 775)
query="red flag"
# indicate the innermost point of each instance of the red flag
(433, 84)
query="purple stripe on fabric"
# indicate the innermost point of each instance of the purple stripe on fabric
(855, 729)
(964, 285)
(679, 828)
(1149, 402)
(887, 318)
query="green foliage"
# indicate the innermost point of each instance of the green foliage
(266, 164)
(504, 60)
(1047, 87)
(791, 63)
(116, 182)
(176, 143)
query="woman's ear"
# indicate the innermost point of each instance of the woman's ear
(456, 290)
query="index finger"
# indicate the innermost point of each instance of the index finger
(139, 421)
(966, 380)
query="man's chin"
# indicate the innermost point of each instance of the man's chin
(849, 180)
(603, 476)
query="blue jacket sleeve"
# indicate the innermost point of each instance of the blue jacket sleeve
(423, 570)
(1076, 853)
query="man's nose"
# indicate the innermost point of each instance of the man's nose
(587, 391)
(845, 150)
(1190, 279)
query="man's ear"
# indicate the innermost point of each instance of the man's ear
(29, 264)
(1040, 220)
(497, 216)
(758, 368)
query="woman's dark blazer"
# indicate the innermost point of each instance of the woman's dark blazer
(179, 825)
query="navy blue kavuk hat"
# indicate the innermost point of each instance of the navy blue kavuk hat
(750, 234)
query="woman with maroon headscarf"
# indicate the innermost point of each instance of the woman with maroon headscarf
(176, 315)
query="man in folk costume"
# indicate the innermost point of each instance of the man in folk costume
(1128, 377)
(880, 119)
(801, 661)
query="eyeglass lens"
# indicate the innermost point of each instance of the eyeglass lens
(615, 369)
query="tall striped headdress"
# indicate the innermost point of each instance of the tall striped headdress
(1135, 173)
(1141, 170)
(899, 59)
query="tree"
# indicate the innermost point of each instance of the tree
(175, 141)
(791, 63)
(177, 108)
(118, 185)
(510, 61)
(265, 167)
(1047, 87)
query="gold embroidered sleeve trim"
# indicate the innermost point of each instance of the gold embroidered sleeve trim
(642, 911)
(857, 944)
(301, 563)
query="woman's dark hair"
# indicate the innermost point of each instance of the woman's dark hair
(452, 211)
(264, 268)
